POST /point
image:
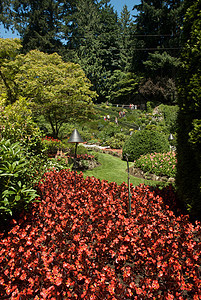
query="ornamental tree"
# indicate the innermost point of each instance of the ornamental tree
(9, 49)
(57, 90)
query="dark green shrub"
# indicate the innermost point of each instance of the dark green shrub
(144, 142)
(170, 113)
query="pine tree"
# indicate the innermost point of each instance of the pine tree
(125, 39)
(38, 23)
(158, 27)
(189, 118)
(92, 42)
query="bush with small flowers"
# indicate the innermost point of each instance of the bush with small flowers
(161, 164)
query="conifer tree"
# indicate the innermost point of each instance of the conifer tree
(38, 23)
(189, 118)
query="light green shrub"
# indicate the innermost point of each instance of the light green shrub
(117, 141)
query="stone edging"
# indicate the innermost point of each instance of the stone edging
(137, 172)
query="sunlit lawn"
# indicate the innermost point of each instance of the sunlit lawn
(113, 169)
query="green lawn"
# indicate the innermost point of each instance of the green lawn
(113, 169)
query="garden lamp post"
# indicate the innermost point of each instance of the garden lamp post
(129, 193)
(170, 139)
(75, 138)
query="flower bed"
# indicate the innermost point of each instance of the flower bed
(160, 164)
(81, 244)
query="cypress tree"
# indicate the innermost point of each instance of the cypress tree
(189, 118)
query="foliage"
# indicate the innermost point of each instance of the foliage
(144, 142)
(92, 39)
(160, 164)
(108, 131)
(161, 23)
(123, 87)
(170, 113)
(163, 64)
(126, 43)
(90, 33)
(81, 243)
(16, 191)
(52, 145)
(195, 134)
(9, 49)
(16, 124)
(189, 82)
(60, 91)
(117, 141)
(37, 23)
(159, 90)
(5, 13)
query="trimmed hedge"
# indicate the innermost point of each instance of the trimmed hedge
(144, 142)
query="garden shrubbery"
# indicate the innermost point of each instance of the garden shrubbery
(117, 141)
(81, 244)
(143, 142)
(160, 164)
(15, 182)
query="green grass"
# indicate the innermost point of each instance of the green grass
(113, 169)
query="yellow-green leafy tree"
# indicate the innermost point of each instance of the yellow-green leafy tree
(58, 90)
(9, 49)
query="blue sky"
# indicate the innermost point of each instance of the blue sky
(117, 4)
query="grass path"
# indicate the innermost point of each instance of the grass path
(114, 169)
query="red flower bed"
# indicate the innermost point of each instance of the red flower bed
(80, 244)
(49, 138)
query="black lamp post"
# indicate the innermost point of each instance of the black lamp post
(129, 193)
(75, 138)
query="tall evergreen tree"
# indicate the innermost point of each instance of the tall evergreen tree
(125, 39)
(158, 27)
(38, 23)
(5, 13)
(189, 118)
(158, 35)
(92, 41)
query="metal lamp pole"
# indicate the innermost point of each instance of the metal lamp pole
(129, 193)
(170, 138)
(75, 138)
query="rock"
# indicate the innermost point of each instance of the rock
(137, 172)
(171, 180)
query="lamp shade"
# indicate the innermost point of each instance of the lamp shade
(171, 137)
(75, 137)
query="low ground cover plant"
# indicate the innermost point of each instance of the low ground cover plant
(161, 164)
(81, 244)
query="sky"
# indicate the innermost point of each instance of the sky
(117, 4)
